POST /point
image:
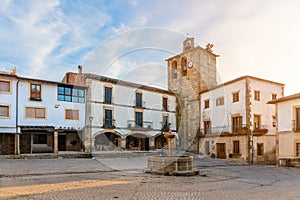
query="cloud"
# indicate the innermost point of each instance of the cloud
(259, 38)
(41, 35)
(124, 53)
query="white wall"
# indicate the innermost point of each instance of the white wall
(8, 125)
(123, 102)
(54, 116)
(267, 111)
(286, 114)
(221, 115)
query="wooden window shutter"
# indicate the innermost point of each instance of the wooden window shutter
(4, 111)
(40, 112)
(4, 86)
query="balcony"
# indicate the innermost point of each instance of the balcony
(166, 127)
(131, 124)
(108, 124)
(295, 126)
(224, 130)
(263, 129)
(141, 104)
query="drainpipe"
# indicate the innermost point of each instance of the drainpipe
(17, 145)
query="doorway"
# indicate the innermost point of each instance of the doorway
(221, 150)
(61, 142)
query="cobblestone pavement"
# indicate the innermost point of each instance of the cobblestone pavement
(75, 179)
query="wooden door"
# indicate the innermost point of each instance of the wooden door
(221, 150)
(61, 142)
(297, 119)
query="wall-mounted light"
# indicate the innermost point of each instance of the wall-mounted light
(56, 105)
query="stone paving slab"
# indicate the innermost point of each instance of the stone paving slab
(10, 167)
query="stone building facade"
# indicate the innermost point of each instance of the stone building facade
(237, 122)
(288, 129)
(189, 72)
(125, 115)
(40, 116)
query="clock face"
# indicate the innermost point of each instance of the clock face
(190, 64)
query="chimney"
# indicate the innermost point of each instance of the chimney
(79, 69)
(14, 71)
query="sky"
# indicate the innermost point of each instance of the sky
(130, 40)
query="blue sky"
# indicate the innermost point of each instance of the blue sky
(131, 39)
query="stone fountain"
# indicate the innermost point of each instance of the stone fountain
(172, 165)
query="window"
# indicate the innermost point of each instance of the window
(165, 104)
(297, 149)
(166, 123)
(138, 100)
(236, 147)
(39, 139)
(257, 95)
(220, 101)
(67, 93)
(32, 112)
(139, 119)
(207, 127)
(237, 123)
(297, 119)
(184, 66)
(35, 92)
(108, 120)
(256, 122)
(206, 103)
(260, 149)
(4, 111)
(235, 97)
(107, 95)
(274, 96)
(72, 114)
(174, 69)
(4, 86)
(274, 121)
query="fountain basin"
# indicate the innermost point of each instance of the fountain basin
(172, 165)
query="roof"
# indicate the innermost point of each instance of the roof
(239, 79)
(286, 98)
(11, 76)
(126, 83)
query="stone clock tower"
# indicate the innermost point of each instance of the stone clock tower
(189, 72)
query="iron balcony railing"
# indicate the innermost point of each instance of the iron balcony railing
(145, 125)
(108, 123)
(235, 129)
(295, 126)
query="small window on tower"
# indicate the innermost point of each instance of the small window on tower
(206, 103)
(174, 69)
(184, 66)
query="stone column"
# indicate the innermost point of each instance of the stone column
(17, 144)
(55, 147)
(123, 142)
(151, 143)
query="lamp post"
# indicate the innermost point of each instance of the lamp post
(91, 124)
(252, 149)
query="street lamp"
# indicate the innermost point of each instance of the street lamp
(252, 147)
(91, 123)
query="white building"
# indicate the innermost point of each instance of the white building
(39, 116)
(288, 136)
(235, 114)
(125, 115)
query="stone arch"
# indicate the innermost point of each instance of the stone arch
(138, 141)
(174, 69)
(184, 66)
(107, 141)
